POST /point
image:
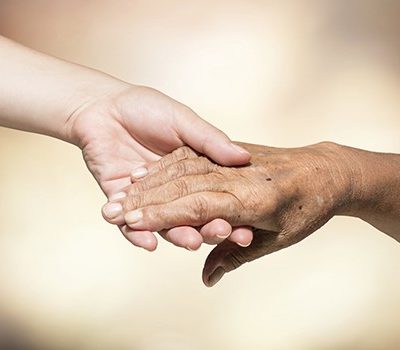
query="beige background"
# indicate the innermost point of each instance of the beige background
(283, 73)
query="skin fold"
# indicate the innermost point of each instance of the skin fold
(284, 195)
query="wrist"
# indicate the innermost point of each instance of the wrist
(369, 178)
(336, 176)
(93, 96)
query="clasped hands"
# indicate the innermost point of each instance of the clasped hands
(277, 199)
(183, 177)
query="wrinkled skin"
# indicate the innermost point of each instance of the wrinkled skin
(283, 194)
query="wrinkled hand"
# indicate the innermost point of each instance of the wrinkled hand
(187, 237)
(284, 194)
(131, 126)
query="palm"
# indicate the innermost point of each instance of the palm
(122, 133)
(111, 158)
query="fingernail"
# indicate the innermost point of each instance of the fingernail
(191, 249)
(133, 217)
(239, 149)
(139, 173)
(112, 210)
(223, 236)
(216, 276)
(243, 245)
(116, 196)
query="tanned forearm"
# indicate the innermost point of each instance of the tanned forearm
(376, 189)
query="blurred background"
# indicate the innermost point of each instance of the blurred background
(281, 73)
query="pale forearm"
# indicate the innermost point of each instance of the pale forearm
(38, 92)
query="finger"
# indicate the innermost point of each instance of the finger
(111, 187)
(183, 236)
(197, 166)
(113, 213)
(208, 140)
(216, 231)
(113, 210)
(193, 210)
(228, 256)
(242, 236)
(178, 155)
(142, 239)
(170, 191)
(174, 190)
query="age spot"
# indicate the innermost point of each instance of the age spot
(268, 179)
(300, 207)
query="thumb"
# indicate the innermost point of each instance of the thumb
(207, 139)
(228, 256)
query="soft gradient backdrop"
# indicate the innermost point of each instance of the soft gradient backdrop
(282, 73)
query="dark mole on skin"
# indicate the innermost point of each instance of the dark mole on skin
(268, 179)
(300, 207)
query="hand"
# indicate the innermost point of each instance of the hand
(284, 194)
(131, 126)
(213, 232)
(118, 126)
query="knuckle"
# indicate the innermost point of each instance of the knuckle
(201, 209)
(163, 162)
(137, 187)
(133, 202)
(196, 166)
(236, 259)
(180, 188)
(177, 170)
(206, 165)
(183, 153)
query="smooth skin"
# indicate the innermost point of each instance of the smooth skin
(118, 126)
(283, 194)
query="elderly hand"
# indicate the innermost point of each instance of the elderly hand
(284, 194)
(190, 238)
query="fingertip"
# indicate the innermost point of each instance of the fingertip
(185, 237)
(222, 228)
(139, 173)
(111, 210)
(216, 231)
(212, 279)
(193, 243)
(212, 142)
(240, 151)
(115, 220)
(242, 236)
(151, 247)
(142, 239)
(229, 154)
(205, 280)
